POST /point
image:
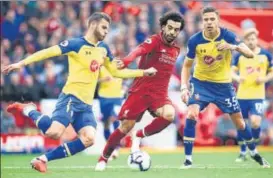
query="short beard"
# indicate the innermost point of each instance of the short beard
(166, 38)
(97, 35)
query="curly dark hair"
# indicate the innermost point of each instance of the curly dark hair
(175, 16)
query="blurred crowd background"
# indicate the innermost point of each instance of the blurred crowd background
(27, 27)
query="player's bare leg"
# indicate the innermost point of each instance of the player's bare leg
(113, 141)
(165, 117)
(247, 136)
(85, 140)
(51, 129)
(189, 134)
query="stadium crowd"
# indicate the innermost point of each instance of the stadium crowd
(27, 27)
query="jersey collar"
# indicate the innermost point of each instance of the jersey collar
(95, 45)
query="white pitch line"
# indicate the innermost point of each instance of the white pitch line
(126, 167)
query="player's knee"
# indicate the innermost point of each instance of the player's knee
(255, 123)
(192, 114)
(126, 126)
(54, 134)
(87, 140)
(240, 125)
(169, 115)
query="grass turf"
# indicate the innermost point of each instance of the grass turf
(209, 163)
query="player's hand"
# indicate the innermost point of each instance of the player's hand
(11, 67)
(260, 80)
(185, 95)
(225, 46)
(120, 64)
(150, 72)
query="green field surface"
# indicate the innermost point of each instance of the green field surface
(208, 163)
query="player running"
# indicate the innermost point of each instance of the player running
(252, 78)
(211, 81)
(110, 95)
(85, 55)
(158, 51)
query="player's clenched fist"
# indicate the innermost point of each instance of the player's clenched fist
(11, 67)
(185, 94)
(150, 72)
(120, 64)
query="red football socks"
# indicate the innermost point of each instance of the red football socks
(156, 126)
(112, 143)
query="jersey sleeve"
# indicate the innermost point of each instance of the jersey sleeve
(109, 54)
(124, 73)
(43, 54)
(67, 46)
(149, 44)
(191, 49)
(231, 38)
(104, 72)
(270, 61)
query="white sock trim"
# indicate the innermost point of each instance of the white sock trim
(28, 109)
(189, 157)
(143, 132)
(253, 152)
(43, 157)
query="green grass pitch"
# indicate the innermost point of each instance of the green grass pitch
(208, 164)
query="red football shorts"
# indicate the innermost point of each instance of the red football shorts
(137, 103)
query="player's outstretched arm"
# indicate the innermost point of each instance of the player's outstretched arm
(38, 56)
(144, 48)
(139, 51)
(185, 76)
(127, 73)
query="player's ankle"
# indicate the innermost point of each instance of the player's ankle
(27, 109)
(102, 158)
(43, 158)
(189, 157)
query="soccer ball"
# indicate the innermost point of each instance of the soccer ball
(139, 160)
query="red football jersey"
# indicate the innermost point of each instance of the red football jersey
(160, 56)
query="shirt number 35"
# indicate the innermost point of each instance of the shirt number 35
(232, 102)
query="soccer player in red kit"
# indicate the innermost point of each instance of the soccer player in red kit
(158, 51)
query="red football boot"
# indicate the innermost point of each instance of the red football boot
(39, 165)
(17, 108)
